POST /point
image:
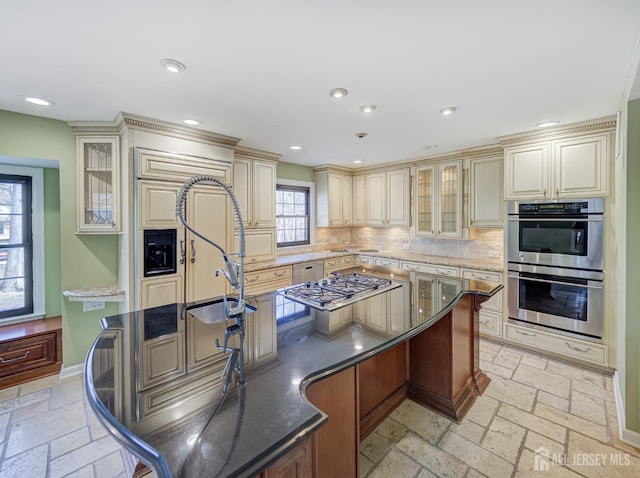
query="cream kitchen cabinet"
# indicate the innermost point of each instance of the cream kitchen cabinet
(431, 294)
(486, 192)
(267, 280)
(338, 263)
(260, 245)
(254, 186)
(387, 195)
(333, 199)
(385, 313)
(98, 163)
(566, 168)
(491, 310)
(359, 200)
(208, 211)
(438, 199)
(261, 339)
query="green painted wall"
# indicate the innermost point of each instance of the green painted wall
(52, 269)
(85, 260)
(294, 172)
(632, 320)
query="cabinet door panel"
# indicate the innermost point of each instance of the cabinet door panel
(376, 199)
(581, 167)
(398, 198)
(157, 203)
(487, 201)
(335, 200)
(161, 291)
(242, 188)
(209, 214)
(527, 172)
(359, 202)
(264, 194)
(425, 220)
(265, 345)
(346, 196)
(449, 200)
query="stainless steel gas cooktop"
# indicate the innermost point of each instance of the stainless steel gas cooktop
(339, 290)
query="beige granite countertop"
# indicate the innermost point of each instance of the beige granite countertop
(114, 291)
(490, 266)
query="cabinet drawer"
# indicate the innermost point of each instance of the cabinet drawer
(481, 275)
(364, 260)
(338, 263)
(568, 346)
(490, 322)
(267, 275)
(267, 280)
(495, 303)
(28, 353)
(430, 269)
(347, 260)
(157, 165)
(381, 261)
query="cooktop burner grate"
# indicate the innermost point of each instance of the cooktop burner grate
(323, 292)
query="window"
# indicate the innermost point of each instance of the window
(292, 215)
(16, 246)
(21, 243)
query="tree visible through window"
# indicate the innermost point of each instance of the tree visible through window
(292, 215)
(16, 246)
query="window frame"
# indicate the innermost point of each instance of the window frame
(37, 247)
(310, 187)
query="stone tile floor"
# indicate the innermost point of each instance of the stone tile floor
(536, 412)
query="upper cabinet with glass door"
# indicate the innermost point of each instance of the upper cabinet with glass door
(438, 200)
(98, 184)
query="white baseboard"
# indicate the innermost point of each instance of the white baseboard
(71, 371)
(628, 436)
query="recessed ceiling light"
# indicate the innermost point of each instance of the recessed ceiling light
(174, 66)
(430, 146)
(338, 93)
(546, 124)
(368, 108)
(357, 161)
(295, 147)
(191, 122)
(447, 110)
(361, 135)
(38, 101)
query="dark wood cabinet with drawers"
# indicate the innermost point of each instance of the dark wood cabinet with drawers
(30, 350)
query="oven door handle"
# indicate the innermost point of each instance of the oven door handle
(554, 219)
(589, 285)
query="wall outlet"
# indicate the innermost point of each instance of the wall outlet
(89, 305)
(493, 254)
(333, 239)
(406, 247)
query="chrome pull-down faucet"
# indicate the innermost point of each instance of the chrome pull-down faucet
(234, 274)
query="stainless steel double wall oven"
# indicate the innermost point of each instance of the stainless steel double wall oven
(555, 260)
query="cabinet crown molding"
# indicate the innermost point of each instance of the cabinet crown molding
(332, 168)
(243, 151)
(560, 132)
(124, 121)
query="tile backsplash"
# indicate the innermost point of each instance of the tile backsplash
(480, 244)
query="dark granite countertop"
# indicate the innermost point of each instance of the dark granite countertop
(170, 425)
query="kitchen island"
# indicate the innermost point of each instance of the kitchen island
(308, 409)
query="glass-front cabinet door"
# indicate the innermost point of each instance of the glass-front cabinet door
(98, 185)
(425, 201)
(425, 298)
(449, 199)
(438, 200)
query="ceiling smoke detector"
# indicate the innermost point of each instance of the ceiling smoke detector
(361, 135)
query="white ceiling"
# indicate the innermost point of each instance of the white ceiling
(261, 70)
